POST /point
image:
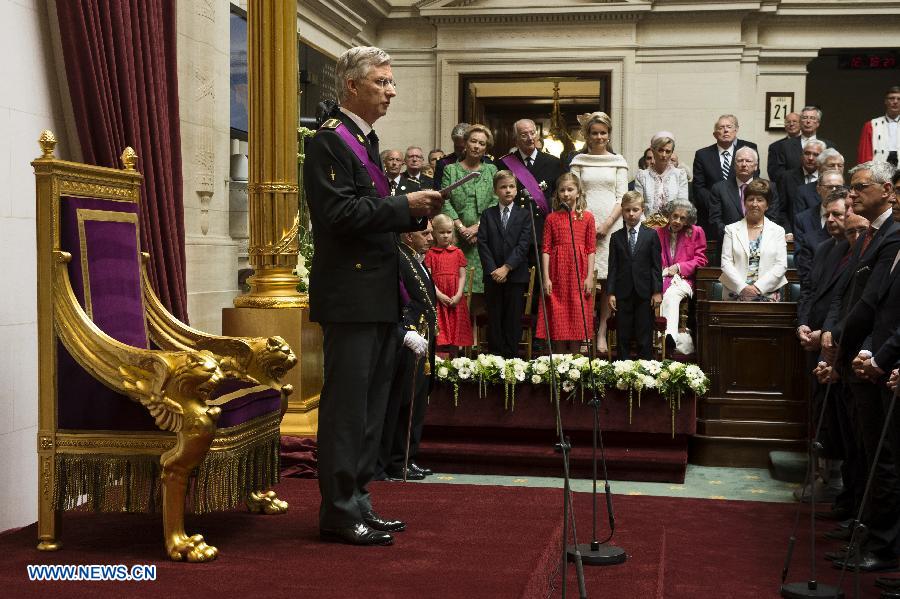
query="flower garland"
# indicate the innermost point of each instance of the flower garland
(573, 371)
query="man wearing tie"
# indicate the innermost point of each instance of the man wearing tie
(393, 162)
(353, 291)
(726, 200)
(716, 163)
(415, 160)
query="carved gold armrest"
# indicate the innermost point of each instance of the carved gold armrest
(260, 359)
(170, 384)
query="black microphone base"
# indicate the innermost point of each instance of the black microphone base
(801, 590)
(593, 554)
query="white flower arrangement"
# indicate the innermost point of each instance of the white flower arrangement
(668, 378)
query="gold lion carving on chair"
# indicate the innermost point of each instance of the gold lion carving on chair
(138, 411)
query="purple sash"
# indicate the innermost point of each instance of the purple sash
(379, 179)
(524, 175)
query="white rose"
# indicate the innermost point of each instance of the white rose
(574, 374)
(621, 385)
(535, 379)
(443, 372)
(674, 366)
(663, 375)
(540, 368)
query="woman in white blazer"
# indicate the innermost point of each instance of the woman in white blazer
(754, 252)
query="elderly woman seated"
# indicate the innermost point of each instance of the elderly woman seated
(683, 246)
(754, 252)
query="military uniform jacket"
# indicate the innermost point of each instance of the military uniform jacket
(353, 276)
(419, 313)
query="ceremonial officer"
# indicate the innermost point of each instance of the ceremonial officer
(353, 291)
(415, 363)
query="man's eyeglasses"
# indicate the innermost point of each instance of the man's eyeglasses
(832, 187)
(383, 83)
(858, 187)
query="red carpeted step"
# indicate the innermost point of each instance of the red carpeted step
(654, 464)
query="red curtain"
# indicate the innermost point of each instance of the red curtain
(120, 59)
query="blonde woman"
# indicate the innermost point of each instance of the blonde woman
(604, 176)
(467, 202)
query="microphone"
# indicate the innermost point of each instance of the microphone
(525, 197)
(565, 207)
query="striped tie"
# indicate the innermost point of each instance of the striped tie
(726, 164)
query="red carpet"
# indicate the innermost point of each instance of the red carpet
(463, 541)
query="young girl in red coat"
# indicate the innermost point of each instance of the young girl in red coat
(565, 286)
(447, 265)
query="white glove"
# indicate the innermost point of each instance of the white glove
(416, 343)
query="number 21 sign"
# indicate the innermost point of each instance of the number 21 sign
(778, 106)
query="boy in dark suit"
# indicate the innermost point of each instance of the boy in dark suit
(504, 236)
(634, 282)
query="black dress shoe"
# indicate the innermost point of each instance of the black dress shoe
(838, 514)
(890, 584)
(840, 534)
(376, 522)
(358, 534)
(415, 467)
(890, 595)
(410, 475)
(868, 562)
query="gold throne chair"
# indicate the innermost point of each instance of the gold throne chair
(137, 411)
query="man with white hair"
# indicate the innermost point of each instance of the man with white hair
(726, 204)
(354, 292)
(788, 156)
(715, 163)
(415, 162)
(790, 180)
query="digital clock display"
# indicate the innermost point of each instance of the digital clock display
(859, 61)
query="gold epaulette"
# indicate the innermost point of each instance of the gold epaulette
(330, 124)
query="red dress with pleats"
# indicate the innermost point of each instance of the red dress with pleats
(563, 303)
(454, 324)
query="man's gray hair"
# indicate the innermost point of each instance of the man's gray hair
(355, 64)
(419, 148)
(830, 172)
(881, 172)
(839, 194)
(690, 210)
(516, 125)
(826, 154)
(746, 150)
(731, 117)
(817, 110)
(814, 142)
(459, 130)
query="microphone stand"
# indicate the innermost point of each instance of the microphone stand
(812, 587)
(856, 527)
(594, 553)
(562, 446)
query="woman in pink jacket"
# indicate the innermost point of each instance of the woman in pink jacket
(683, 246)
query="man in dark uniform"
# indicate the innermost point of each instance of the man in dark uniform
(353, 291)
(459, 147)
(417, 333)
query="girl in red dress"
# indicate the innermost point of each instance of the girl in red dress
(447, 265)
(565, 290)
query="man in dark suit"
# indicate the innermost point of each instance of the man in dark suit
(353, 291)
(634, 282)
(416, 333)
(459, 146)
(792, 129)
(791, 180)
(715, 163)
(393, 162)
(535, 171)
(830, 261)
(504, 239)
(844, 341)
(415, 160)
(726, 203)
(810, 225)
(787, 155)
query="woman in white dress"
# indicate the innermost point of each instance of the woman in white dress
(662, 182)
(604, 176)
